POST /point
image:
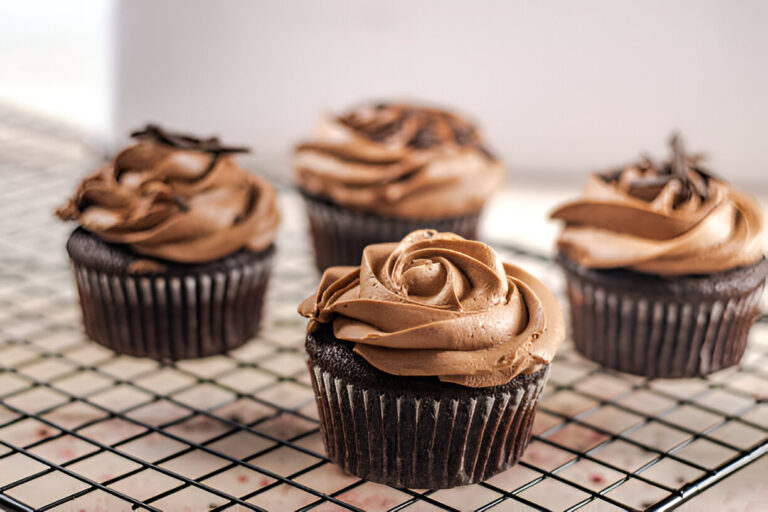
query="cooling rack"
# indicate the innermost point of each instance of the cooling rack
(82, 428)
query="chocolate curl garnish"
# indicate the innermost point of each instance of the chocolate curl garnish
(187, 142)
(181, 203)
(679, 166)
(682, 168)
(418, 127)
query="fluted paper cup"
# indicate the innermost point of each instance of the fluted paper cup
(657, 327)
(420, 441)
(174, 316)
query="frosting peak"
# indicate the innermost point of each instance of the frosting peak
(669, 219)
(178, 198)
(437, 304)
(399, 160)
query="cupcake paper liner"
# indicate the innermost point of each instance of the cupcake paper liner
(658, 334)
(173, 316)
(421, 442)
(339, 235)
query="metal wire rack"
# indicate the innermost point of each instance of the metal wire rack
(83, 428)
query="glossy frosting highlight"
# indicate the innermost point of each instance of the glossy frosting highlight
(436, 304)
(400, 161)
(671, 219)
(177, 198)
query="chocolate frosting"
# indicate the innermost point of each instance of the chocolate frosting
(178, 198)
(670, 219)
(399, 160)
(436, 304)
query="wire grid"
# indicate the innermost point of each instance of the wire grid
(83, 428)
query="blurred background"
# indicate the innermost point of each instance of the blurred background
(560, 88)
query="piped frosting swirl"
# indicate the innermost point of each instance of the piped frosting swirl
(670, 219)
(399, 160)
(178, 198)
(436, 304)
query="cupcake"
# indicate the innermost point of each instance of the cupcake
(174, 248)
(664, 266)
(381, 171)
(427, 360)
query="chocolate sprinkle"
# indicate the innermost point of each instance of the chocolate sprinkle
(187, 142)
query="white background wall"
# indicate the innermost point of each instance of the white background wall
(560, 87)
(55, 60)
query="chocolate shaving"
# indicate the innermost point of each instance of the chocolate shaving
(425, 137)
(679, 165)
(186, 142)
(465, 135)
(611, 176)
(182, 204)
(381, 132)
(433, 127)
(647, 188)
(680, 170)
(684, 169)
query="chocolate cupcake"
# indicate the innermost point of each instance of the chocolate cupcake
(665, 267)
(175, 247)
(381, 171)
(428, 359)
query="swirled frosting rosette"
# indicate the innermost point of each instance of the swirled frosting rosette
(669, 219)
(436, 304)
(399, 160)
(178, 198)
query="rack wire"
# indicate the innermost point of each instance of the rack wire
(83, 428)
